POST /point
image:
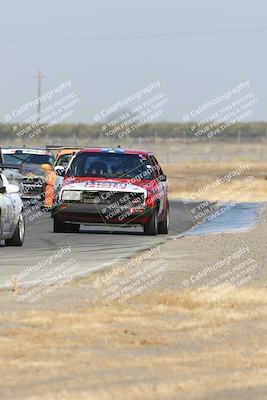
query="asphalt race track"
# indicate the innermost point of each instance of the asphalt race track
(93, 248)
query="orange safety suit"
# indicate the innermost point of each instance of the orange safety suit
(49, 186)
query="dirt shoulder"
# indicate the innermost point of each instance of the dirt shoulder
(160, 346)
(187, 331)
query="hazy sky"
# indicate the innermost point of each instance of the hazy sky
(108, 51)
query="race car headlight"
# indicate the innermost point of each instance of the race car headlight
(71, 195)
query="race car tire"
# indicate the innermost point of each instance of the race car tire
(151, 228)
(62, 227)
(163, 226)
(19, 234)
(73, 227)
(59, 226)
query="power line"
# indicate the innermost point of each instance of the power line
(138, 36)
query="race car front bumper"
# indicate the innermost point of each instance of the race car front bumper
(80, 213)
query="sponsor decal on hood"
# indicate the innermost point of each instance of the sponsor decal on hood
(104, 185)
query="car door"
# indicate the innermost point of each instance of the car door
(7, 207)
(2, 213)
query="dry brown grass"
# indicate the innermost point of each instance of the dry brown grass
(157, 346)
(186, 179)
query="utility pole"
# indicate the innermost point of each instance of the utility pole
(39, 78)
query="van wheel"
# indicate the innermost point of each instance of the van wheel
(163, 226)
(19, 234)
(151, 228)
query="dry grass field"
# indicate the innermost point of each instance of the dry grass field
(157, 346)
(186, 179)
(161, 344)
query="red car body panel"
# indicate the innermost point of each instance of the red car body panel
(156, 195)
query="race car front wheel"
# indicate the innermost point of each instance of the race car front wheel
(151, 228)
(61, 227)
(19, 234)
(163, 226)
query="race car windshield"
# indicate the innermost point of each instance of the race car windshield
(18, 158)
(108, 165)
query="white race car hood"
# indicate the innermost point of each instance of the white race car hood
(104, 185)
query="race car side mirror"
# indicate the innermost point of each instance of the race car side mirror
(59, 170)
(163, 178)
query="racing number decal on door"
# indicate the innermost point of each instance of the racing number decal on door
(8, 214)
(8, 211)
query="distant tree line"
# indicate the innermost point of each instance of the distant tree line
(245, 131)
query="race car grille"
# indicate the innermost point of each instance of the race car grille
(116, 198)
(32, 181)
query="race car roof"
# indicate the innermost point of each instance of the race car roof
(117, 150)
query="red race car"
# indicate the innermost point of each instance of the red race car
(113, 186)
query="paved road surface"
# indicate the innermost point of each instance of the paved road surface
(91, 248)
